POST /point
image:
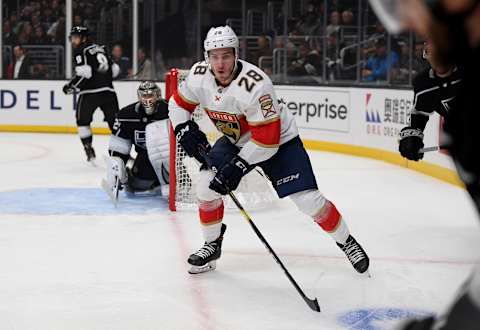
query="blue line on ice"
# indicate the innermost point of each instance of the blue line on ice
(75, 201)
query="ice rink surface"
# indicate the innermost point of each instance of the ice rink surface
(70, 260)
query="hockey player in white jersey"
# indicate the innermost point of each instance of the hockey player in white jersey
(240, 100)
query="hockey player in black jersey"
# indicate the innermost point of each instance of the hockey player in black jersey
(435, 89)
(145, 125)
(454, 28)
(94, 71)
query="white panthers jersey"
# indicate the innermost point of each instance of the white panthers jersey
(246, 111)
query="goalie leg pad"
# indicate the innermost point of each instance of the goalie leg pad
(158, 149)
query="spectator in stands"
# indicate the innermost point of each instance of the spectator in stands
(48, 17)
(26, 36)
(59, 35)
(379, 64)
(26, 13)
(40, 71)
(15, 24)
(262, 49)
(310, 23)
(40, 38)
(279, 43)
(90, 15)
(348, 17)
(56, 9)
(419, 63)
(20, 68)
(334, 26)
(308, 62)
(144, 66)
(35, 20)
(77, 20)
(8, 35)
(122, 61)
(404, 71)
(378, 34)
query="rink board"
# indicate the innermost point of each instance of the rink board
(360, 121)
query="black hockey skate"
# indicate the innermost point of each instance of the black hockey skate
(204, 260)
(90, 153)
(355, 254)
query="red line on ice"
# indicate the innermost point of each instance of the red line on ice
(200, 301)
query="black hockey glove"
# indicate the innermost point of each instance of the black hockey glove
(411, 141)
(68, 89)
(192, 140)
(228, 177)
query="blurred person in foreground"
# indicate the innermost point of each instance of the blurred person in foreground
(453, 26)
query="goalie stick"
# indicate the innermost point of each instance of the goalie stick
(112, 191)
(312, 303)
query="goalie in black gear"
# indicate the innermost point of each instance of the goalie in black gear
(145, 125)
(94, 72)
(434, 91)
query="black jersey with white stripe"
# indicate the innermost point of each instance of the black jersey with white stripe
(93, 69)
(433, 94)
(131, 122)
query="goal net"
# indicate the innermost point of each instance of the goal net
(254, 191)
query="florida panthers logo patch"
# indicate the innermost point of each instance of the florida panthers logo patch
(266, 104)
(226, 123)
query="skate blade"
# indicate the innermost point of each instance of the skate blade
(208, 267)
(366, 274)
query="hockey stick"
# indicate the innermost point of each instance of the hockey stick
(312, 303)
(428, 149)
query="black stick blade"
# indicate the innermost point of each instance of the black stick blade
(313, 304)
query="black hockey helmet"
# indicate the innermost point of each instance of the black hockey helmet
(81, 31)
(149, 94)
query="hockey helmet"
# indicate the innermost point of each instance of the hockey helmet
(221, 37)
(148, 95)
(81, 31)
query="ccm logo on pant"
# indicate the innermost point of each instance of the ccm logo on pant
(288, 179)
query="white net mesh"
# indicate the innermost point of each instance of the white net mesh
(254, 191)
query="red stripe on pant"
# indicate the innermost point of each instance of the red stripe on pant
(210, 212)
(329, 218)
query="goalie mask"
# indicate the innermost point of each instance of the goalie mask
(221, 37)
(148, 95)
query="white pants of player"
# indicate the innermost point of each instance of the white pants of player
(311, 202)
